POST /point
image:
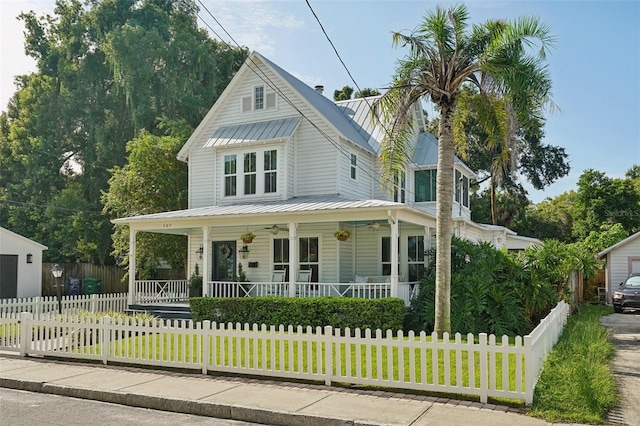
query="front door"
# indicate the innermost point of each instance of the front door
(224, 261)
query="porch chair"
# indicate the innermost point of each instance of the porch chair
(277, 287)
(304, 277)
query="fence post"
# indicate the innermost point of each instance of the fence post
(106, 339)
(25, 332)
(93, 299)
(528, 370)
(206, 333)
(328, 354)
(483, 367)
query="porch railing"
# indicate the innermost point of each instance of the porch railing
(165, 291)
(160, 291)
(406, 290)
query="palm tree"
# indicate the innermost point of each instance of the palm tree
(446, 54)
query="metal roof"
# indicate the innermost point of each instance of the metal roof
(324, 106)
(261, 131)
(293, 205)
(359, 110)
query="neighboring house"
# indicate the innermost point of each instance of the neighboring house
(623, 259)
(20, 266)
(277, 158)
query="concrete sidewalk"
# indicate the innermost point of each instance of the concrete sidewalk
(251, 400)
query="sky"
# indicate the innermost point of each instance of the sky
(595, 66)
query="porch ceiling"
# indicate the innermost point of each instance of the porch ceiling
(299, 210)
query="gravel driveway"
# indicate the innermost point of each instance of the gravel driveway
(625, 337)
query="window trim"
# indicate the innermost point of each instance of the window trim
(232, 176)
(353, 165)
(433, 177)
(260, 173)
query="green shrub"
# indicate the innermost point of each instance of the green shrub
(338, 312)
(491, 292)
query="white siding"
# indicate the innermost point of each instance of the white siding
(360, 187)
(620, 262)
(316, 168)
(202, 179)
(29, 274)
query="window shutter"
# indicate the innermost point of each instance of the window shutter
(271, 100)
(246, 103)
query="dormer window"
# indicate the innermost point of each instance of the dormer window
(260, 100)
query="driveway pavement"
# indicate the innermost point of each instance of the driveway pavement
(625, 337)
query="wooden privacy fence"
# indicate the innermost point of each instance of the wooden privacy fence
(477, 365)
(110, 276)
(115, 302)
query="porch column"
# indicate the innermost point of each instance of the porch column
(206, 258)
(293, 258)
(132, 265)
(393, 221)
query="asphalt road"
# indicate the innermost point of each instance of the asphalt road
(20, 408)
(625, 337)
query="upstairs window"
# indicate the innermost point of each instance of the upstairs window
(400, 188)
(458, 185)
(270, 171)
(250, 173)
(258, 98)
(465, 191)
(354, 163)
(425, 181)
(230, 177)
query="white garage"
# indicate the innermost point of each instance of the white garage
(622, 260)
(20, 266)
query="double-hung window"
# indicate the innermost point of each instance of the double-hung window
(281, 255)
(386, 256)
(425, 182)
(270, 171)
(415, 257)
(250, 173)
(230, 177)
(258, 98)
(309, 256)
(354, 163)
(400, 189)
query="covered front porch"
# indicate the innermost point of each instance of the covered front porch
(294, 251)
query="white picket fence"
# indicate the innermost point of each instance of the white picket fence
(473, 365)
(115, 302)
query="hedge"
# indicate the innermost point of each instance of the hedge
(338, 312)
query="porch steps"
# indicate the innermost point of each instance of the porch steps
(166, 311)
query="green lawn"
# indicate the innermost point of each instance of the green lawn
(577, 384)
(297, 356)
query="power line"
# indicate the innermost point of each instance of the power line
(350, 75)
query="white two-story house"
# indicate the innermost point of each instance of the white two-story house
(277, 158)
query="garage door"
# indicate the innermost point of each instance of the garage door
(8, 276)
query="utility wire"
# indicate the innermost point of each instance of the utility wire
(349, 72)
(267, 80)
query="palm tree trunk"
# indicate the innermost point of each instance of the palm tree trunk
(494, 214)
(444, 221)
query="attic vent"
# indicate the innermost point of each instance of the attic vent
(271, 100)
(319, 88)
(246, 103)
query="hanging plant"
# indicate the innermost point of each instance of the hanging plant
(342, 234)
(247, 237)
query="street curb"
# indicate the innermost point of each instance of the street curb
(200, 408)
